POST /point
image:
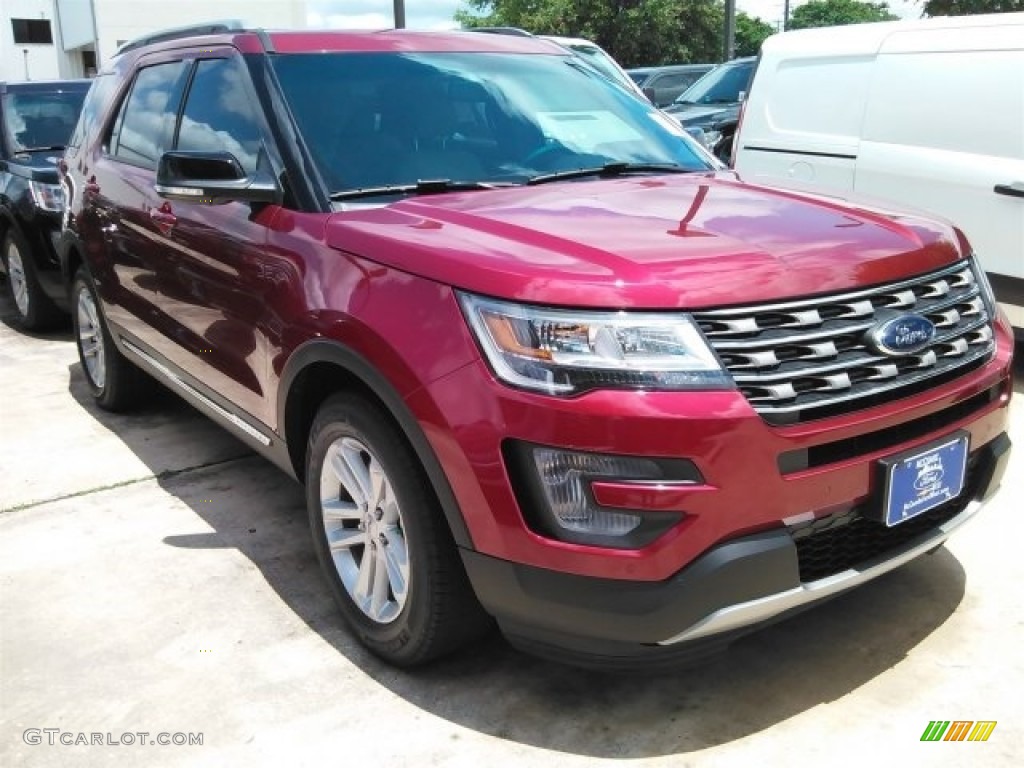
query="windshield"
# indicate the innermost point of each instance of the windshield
(637, 77)
(40, 119)
(392, 119)
(722, 85)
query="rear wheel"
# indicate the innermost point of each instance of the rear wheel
(115, 383)
(33, 309)
(382, 539)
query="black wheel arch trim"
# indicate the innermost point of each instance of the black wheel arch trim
(335, 353)
(8, 220)
(67, 242)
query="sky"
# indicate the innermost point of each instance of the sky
(437, 14)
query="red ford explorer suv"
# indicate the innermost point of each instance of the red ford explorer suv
(538, 359)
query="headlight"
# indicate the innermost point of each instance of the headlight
(984, 286)
(564, 352)
(48, 197)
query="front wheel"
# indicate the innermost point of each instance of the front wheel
(382, 538)
(33, 309)
(115, 383)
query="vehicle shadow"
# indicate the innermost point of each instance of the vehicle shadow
(764, 679)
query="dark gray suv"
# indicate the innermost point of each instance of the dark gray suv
(713, 105)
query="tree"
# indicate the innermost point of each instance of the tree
(750, 33)
(634, 32)
(833, 13)
(969, 7)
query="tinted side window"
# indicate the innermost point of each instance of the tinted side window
(671, 81)
(143, 122)
(218, 113)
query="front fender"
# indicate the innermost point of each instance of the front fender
(342, 357)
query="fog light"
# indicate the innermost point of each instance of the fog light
(565, 482)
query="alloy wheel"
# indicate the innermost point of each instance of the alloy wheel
(19, 282)
(364, 529)
(90, 339)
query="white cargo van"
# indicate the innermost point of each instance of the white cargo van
(927, 114)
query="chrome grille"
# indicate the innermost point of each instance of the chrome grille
(808, 359)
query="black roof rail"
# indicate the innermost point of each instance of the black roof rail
(209, 28)
(512, 31)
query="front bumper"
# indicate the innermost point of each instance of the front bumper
(733, 588)
(755, 477)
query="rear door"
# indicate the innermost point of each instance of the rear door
(118, 188)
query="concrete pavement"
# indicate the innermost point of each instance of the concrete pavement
(157, 577)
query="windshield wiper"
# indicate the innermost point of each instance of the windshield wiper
(425, 187)
(607, 171)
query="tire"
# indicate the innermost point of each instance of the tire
(394, 570)
(115, 384)
(33, 309)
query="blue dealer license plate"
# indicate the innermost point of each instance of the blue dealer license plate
(925, 478)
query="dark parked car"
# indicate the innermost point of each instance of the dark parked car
(36, 119)
(665, 84)
(536, 361)
(713, 104)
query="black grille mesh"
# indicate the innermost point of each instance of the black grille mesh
(833, 544)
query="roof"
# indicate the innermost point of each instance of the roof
(855, 38)
(327, 41)
(669, 68)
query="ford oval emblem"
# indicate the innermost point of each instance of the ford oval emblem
(928, 479)
(901, 335)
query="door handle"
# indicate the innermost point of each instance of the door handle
(164, 220)
(1016, 189)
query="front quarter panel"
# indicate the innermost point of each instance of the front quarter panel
(407, 328)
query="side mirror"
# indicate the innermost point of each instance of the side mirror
(651, 95)
(211, 177)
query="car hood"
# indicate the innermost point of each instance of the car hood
(689, 241)
(38, 166)
(690, 114)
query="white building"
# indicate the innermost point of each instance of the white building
(48, 39)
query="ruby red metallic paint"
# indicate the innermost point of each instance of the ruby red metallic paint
(231, 293)
(615, 243)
